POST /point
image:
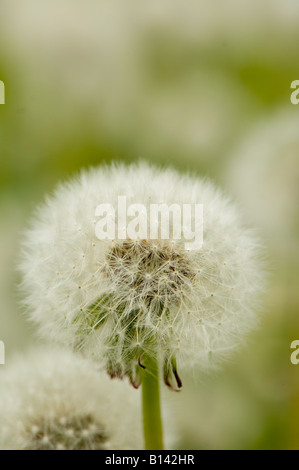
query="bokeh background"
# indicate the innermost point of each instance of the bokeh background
(204, 87)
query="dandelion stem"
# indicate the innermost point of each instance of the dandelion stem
(152, 422)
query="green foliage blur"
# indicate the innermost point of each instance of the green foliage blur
(175, 83)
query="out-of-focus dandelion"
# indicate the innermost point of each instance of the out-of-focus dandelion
(136, 304)
(264, 176)
(53, 400)
(107, 57)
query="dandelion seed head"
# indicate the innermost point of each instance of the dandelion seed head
(59, 401)
(131, 297)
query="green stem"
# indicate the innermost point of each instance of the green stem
(152, 423)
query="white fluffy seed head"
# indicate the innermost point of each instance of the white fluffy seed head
(53, 400)
(116, 300)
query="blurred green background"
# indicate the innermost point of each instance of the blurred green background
(202, 86)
